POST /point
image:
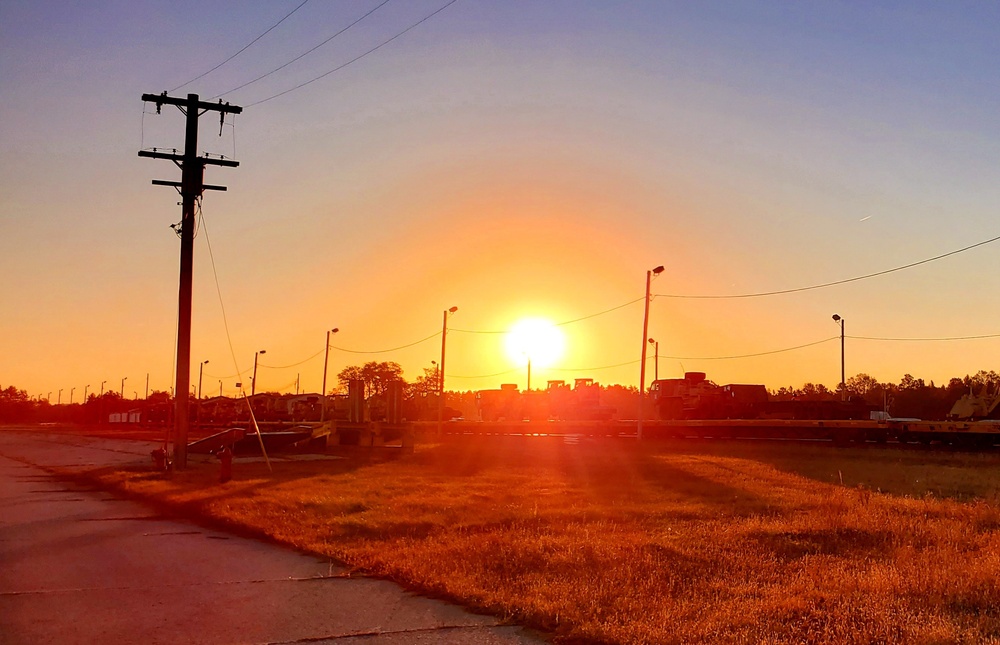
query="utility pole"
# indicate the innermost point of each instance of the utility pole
(642, 361)
(440, 384)
(190, 188)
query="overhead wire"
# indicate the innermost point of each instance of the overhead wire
(245, 47)
(302, 55)
(355, 59)
(558, 324)
(940, 339)
(826, 284)
(384, 351)
(281, 367)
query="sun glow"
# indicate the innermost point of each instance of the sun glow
(537, 340)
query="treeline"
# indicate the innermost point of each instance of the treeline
(16, 406)
(911, 397)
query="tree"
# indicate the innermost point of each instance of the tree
(15, 405)
(428, 383)
(376, 376)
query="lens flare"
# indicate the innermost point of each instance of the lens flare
(535, 339)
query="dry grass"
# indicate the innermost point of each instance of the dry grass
(671, 544)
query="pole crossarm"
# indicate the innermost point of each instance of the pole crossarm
(205, 161)
(177, 184)
(162, 99)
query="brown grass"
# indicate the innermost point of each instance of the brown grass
(677, 543)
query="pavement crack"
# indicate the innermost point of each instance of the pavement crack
(376, 633)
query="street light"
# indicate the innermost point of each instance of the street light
(85, 392)
(642, 361)
(326, 362)
(444, 335)
(122, 394)
(220, 387)
(656, 359)
(200, 369)
(843, 390)
(59, 398)
(71, 390)
(253, 382)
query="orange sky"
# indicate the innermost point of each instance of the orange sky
(530, 162)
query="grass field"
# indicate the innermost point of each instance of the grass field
(669, 543)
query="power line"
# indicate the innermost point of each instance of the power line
(281, 367)
(384, 351)
(302, 55)
(356, 59)
(245, 47)
(559, 324)
(826, 284)
(774, 351)
(946, 338)
(516, 369)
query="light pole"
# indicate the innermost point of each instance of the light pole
(326, 363)
(838, 319)
(85, 393)
(200, 370)
(253, 382)
(642, 361)
(147, 385)
(529, 374)
(444, 335)
(71, 390)
(48, 397)
(656, 359)
(122, 393)
(59, 398)
(220, 387)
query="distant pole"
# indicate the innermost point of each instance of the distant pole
(253, 381)
(59, 398)
(843, 384)
(191, 188)
(444, 336)
(642, 361)
(656, 358)
(529, 373)
(122, 393)
(220, 387)
(200, 370)
(85, 388)
(147, 385)
(71, 390)
(326, 363)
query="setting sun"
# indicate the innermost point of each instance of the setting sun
(537, 340)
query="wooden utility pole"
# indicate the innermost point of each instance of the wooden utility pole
(190, 188)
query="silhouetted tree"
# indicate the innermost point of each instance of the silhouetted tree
(375, 375)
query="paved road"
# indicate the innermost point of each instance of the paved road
(78, 565)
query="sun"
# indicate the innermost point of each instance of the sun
(537, 340)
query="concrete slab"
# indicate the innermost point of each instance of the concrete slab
(78, 565)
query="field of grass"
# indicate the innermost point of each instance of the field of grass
(671, 543)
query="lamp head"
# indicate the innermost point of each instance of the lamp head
(335, 330)
(658, 270)
(263, 351)
(204, 362)
(453, 310)
(836, 317)
(652, 341)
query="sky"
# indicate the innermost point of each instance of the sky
(512, 159)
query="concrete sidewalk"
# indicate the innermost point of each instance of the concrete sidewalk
(78, 565)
